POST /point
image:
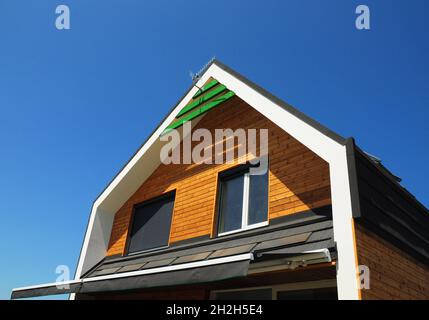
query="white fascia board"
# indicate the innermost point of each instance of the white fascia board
(342, 216)
(45, 285)
(333, 152)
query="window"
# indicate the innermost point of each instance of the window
(243, 200)
(151, 223)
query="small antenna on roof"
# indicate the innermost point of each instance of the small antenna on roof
(196, 76)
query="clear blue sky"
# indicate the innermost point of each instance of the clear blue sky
(76, 104)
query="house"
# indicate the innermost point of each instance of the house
(325, 221)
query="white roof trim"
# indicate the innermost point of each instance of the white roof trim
(45, 285)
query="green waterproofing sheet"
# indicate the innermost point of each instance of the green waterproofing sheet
(207, 87)
(196, 113)
(201, 100)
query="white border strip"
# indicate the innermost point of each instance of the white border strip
(52, 284)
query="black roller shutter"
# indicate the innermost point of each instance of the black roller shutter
(151, 224)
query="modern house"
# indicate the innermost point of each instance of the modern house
(325, 221)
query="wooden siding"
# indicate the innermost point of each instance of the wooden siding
(393, 273)
(298, 179)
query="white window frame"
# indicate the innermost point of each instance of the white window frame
(245, 211)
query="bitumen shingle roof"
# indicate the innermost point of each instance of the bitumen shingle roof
(296, 234)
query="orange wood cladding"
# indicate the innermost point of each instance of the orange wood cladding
(394, 275)
(298, 179)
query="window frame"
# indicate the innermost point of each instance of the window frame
(231, 173)
(131, 222)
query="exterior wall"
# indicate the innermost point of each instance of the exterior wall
(393, 273)
(298, 180)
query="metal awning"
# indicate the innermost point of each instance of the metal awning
(187, 273)
(299, 241)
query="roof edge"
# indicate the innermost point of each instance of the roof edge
(390, 178)
(300, 115)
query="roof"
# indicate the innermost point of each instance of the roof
(387, 208)
(302, 232)
(293, 241)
